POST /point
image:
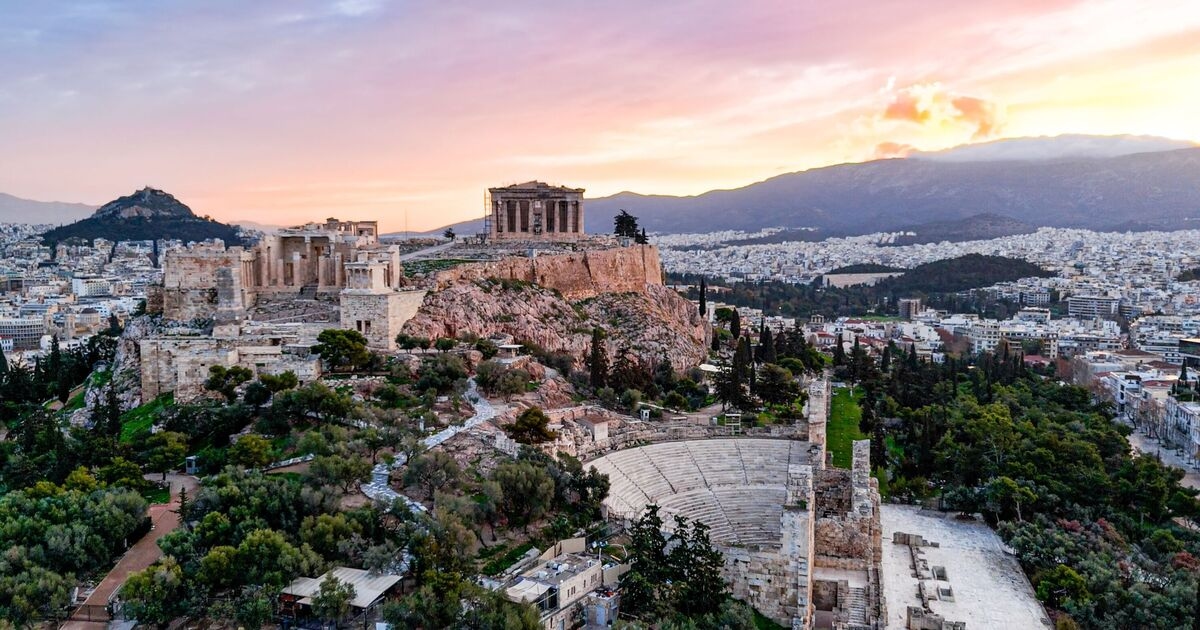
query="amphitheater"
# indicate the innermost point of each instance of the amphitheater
(801, 540)
(736, 487)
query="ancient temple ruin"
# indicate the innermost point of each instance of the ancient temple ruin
(535, 211)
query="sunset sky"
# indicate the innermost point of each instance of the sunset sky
(287, 111)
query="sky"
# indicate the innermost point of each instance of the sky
(285, 111)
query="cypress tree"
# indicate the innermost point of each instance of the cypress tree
(766, 346)
(839, 353)
(3, 365)
(598, 360)
(735, 324)
(703, 297)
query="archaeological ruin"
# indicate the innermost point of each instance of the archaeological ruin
(535, 211)
(802, 540)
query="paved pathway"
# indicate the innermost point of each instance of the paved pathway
(379, 487)
(420, 253)
(144, 552)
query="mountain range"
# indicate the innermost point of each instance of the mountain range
(148, 214)
(18, 210)
(1157, 189)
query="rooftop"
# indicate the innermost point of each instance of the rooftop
(368, 586)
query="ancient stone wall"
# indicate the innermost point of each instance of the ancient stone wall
(181, 364)
(200, 280)
(577, 275)
(379, 316)
(848, 530)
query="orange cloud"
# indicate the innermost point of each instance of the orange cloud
(930, 104)
(887, 150)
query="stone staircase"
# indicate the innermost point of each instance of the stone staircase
(856, 606)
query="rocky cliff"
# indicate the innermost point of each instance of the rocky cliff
(654, 322)
(577, 276)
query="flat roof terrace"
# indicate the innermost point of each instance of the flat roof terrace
(987, 587)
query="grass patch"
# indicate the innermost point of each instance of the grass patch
(138, 420)
(842, 429)
(496, 565)
(156, 494)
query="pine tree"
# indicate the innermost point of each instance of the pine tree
(598, 360)
(703, 298)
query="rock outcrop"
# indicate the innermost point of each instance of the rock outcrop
(556, 300)
(653, 323)
(577, 276)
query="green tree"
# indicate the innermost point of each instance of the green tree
(597, 360)
(432, 471)
(157, 594)
(703, 297)
(776, 385)
(528, 491)
(445, 344)
(332, 600)
(735, 324)
(449, 234)
(342, 471)
(165, 451)
(343, 349)
(225, 381)
(531, 427)
(279, 382)
(626, 225)
(251, 451)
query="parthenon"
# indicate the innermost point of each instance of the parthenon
(536, 211)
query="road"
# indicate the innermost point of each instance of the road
(1146, 444)
(142, 554)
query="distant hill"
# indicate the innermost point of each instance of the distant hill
(1068, 146)
(865, 268)
(975, 228)
(972, 271)
(18, 210)
(1161, 189)
(145, 215)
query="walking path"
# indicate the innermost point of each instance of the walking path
(379, 488)
(420, 253)
(141, 555)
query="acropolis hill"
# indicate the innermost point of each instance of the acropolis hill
(261, 307)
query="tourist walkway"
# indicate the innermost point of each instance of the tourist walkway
(141, 555)
(379, 488)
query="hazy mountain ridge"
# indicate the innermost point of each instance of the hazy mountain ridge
(18, 210)
(1161, 189)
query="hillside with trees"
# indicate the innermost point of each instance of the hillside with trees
(147, 214)
(941, 282)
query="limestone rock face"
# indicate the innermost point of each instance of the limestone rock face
(652, 321)
(127, 370)
(577, 276)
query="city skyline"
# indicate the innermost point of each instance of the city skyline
(287, 112)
